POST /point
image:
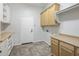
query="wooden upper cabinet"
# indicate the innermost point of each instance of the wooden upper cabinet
(51, 17)
(48, 16)
(56, 7)
(44, 18)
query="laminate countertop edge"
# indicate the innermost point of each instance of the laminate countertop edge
(67, 39)
(4, 36)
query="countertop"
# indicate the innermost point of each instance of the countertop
(68, 39)
(4, 36)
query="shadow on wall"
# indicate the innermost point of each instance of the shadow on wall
(4, 26)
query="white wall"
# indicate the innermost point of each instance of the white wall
(19, 11)
(70, 27)
(40, 34)
(70, 22)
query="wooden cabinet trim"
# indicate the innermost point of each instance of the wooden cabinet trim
(49, 7)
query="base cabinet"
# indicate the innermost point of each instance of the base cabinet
(6, 47)
(61, 48)
(54, 49)
(3, 48)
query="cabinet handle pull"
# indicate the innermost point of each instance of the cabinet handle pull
(9, 36)
(0, 51)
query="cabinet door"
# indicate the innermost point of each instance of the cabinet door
(54, 47)
(6, 13)
(48, 16)
(51, 14)
(51, 17)
(1, 12)
(10, 44)
(77, 52)
(3, 48)
(42, 19)
(66, 49)
(46, 20)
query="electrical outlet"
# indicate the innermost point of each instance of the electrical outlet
(47, 31)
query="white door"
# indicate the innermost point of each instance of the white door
(27, 29)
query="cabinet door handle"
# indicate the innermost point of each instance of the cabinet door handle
(9, 36)
(0, 51)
